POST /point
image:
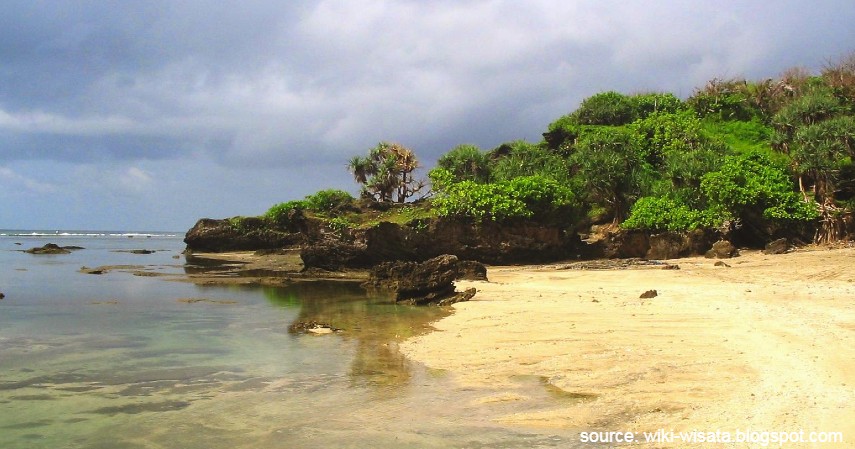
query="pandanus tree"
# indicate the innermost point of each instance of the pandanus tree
(386, 173)
(819, 137)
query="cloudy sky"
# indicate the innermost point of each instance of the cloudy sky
(146, 115)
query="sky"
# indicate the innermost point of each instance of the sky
(148, 115)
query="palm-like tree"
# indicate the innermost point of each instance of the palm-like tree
(386, 172)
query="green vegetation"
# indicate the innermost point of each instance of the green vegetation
(521, 197)
(386, 173)
(763, 155)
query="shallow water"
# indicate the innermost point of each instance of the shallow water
(124, 361)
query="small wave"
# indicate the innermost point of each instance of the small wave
(60, 234)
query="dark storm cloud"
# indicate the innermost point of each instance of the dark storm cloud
(265, 83)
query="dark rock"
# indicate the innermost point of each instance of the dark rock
(428, 282)
(629, 243)
(722, 249)
(673, 245)
(463, 296)
(779, 246)
(649, 294)
(50, 248)
(471, 270)
(335, 255)
(141, 251)
(2, 295)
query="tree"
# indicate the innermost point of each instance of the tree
(755, 190)
(386, 173)
(466, 163)
(819, 137)
(611, 169)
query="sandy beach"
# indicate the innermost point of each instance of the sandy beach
(766, 344)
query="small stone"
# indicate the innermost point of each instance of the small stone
(721, 264)
(649, 294)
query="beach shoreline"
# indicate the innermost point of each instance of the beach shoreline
(765, 342)
(762, 343)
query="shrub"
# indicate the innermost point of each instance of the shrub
(724, 99)
(521, 158)
(522, 197)
(340, 225)
(607, 108)
(564, 130)
(665, 214)
(650, 103)
(330, 200)
(755, 181)
(279, 212)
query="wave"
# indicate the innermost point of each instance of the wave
(90, 234)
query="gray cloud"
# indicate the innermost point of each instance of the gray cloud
(268, 83)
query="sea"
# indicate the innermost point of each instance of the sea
(132, 358)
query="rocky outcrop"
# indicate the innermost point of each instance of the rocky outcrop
(241, 234)
(522, 242)
(627, 244)
(334, 255)
(420, 283)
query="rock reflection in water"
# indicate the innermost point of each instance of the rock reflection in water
(373, 321)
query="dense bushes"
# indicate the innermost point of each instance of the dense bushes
(754, 181)
(660, 214)
(522, 197)
(330, 202)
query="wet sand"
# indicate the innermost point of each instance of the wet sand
(766, 344)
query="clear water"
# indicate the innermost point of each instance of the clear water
(125, 361)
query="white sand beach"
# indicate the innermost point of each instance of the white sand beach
(766, 344)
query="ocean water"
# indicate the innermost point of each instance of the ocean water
(130, 359)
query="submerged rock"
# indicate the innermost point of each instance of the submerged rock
(51, 248)
(312, 327)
